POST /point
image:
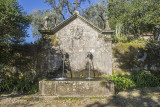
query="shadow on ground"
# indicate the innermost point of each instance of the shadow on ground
(2, 97)
(147, 97)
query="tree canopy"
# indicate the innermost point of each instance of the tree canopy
(127, 16)
(60, 11)
(38, 19)
(13, 25)
(136, 16)
(96, 13)
(13, 22)
(64, 8)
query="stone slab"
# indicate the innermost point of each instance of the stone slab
(77, 88)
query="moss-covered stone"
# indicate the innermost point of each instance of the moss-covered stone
(128, 57)
(54, 40)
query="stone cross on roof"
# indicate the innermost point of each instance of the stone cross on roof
(76, 2)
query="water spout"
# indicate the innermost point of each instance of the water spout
(89, 57)
(62, 76)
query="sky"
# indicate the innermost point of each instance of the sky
(30, 5)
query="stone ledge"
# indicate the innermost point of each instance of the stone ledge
(84, 88)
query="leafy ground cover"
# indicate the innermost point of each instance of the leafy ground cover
(139, 80)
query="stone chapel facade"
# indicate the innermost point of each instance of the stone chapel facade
(77, 37)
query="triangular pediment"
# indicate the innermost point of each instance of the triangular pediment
(72, 18)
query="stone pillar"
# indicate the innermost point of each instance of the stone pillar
(108, 39)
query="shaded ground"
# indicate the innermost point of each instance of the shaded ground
(146, 97)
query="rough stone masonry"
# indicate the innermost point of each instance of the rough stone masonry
(77, 37)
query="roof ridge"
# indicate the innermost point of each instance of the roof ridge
(74, 16)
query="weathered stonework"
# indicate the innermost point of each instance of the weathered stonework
(77, 46)
(77, 88)
(77, 37)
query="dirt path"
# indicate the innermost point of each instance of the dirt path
(146, 97)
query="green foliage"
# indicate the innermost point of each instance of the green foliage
(63, 7)
(60, 11)
(140, 80)
(130, 53)
(124, 50)
(38, 19)
(20, 68)
(20, 57)
(137, 16)
(140, 41)
(96, 13)
(120, 36)
(146, 79)
(125, 17)
(17, 82)
(122, 82)
(13, 25)
(13, 22)
(16, 85)
(103, 76)
(126, 39)
(120, 39)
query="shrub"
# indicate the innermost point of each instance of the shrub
(145, 79)
(122, 82)
(16, 85)
(120, 39)
(17, 82)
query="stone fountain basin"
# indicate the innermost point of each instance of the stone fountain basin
(77, 87)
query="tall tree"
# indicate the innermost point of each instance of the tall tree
(64, 7)
(38, 20)
(136, 16)
(61, 9)
(13, 25)
(97, 13)
(13, 22)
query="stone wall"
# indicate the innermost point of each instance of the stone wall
(77, 39)
(135, 57)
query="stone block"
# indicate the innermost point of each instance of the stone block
(77, 88)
